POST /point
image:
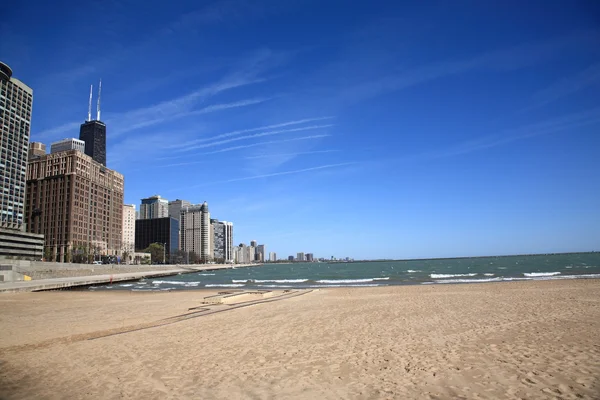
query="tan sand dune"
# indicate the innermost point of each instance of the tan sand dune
(513, 340)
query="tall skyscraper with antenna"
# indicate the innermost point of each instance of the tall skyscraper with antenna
(93, 132)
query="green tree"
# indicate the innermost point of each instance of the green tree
(156, 251)
(47, 254)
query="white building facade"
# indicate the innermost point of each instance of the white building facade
(194, 231)
(129, 231)
(68, 144)
(154, 207)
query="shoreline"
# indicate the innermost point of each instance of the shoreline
(526, 339)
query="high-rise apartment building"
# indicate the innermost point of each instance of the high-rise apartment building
(240, 254)
(260, 253)
(195, 231)
(77, 203)
(272, 257)
(309, 257)
(129, 231)
(36, 149)
(68, 144)
(300, 257)
(164, 231)
(176, 206)
(253, 243)
(222, 240)
(154, 207)
(16, 100)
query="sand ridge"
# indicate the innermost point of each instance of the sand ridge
(508, 340)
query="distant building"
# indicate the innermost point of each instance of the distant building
(222, 240)
(36, 149)
(176, 206)
(260, 253)
(164, 231)
(300, 257)
(250, 254)
(291, 258)
(272, 257)
(195, 231)
(154, 207)
(309, 257)
(76, 203)
(240, 254)
(253, 243)
(129, 231)
(67, 144)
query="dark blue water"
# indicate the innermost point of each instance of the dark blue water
(360, 274)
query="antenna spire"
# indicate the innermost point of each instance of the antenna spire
(90, 105)
(98, 106)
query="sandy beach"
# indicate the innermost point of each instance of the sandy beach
(517, 340)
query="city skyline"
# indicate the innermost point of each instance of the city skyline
(477, 143)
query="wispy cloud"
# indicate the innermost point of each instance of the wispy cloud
(254, 136)
(584, 79)
(297, 171)
(562, 123)
(291, 154)
(265, 143)
(510, 59)
(238, 132)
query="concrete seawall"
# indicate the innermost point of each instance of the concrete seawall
(115, 274)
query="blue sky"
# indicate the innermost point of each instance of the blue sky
(363, 129)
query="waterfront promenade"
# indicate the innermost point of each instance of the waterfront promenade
(71, 277)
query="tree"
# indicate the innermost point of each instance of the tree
(178, 257)
(47, 254)
(156, 251)
(193, 257)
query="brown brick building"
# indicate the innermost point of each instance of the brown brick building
(77, 204)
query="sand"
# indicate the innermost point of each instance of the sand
(512, 340)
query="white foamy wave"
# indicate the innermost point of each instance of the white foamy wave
(410, 271)
(501, 267)
(330, 286)
(534, 274)
(583, 276)
(345, 280)
(206, 274)
(126, 285)
(275, 286)
(169, 283)
(280, 280)
(441, 276)
(517, 279)
(489, 274)
(387, 278)
(224, 285)
(469, 280)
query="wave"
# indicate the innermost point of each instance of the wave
(410, 271)
(206, 274)
(126, 284)
(224, 285)
(345, 280)
(535, 274)
(387, 278)
(488, 274)
(470, 280)
(180, 283)
(276, 286)
(269, 280)
(438, 276)
(330, 286)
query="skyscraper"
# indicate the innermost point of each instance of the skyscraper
(175, 207)
(16, 100)
(79, 205)
(272, 256)
(93, 133)
(260, 253)
(154, 207)
(300, 257)
(128, 231)
(222, 240)
(195, 231)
